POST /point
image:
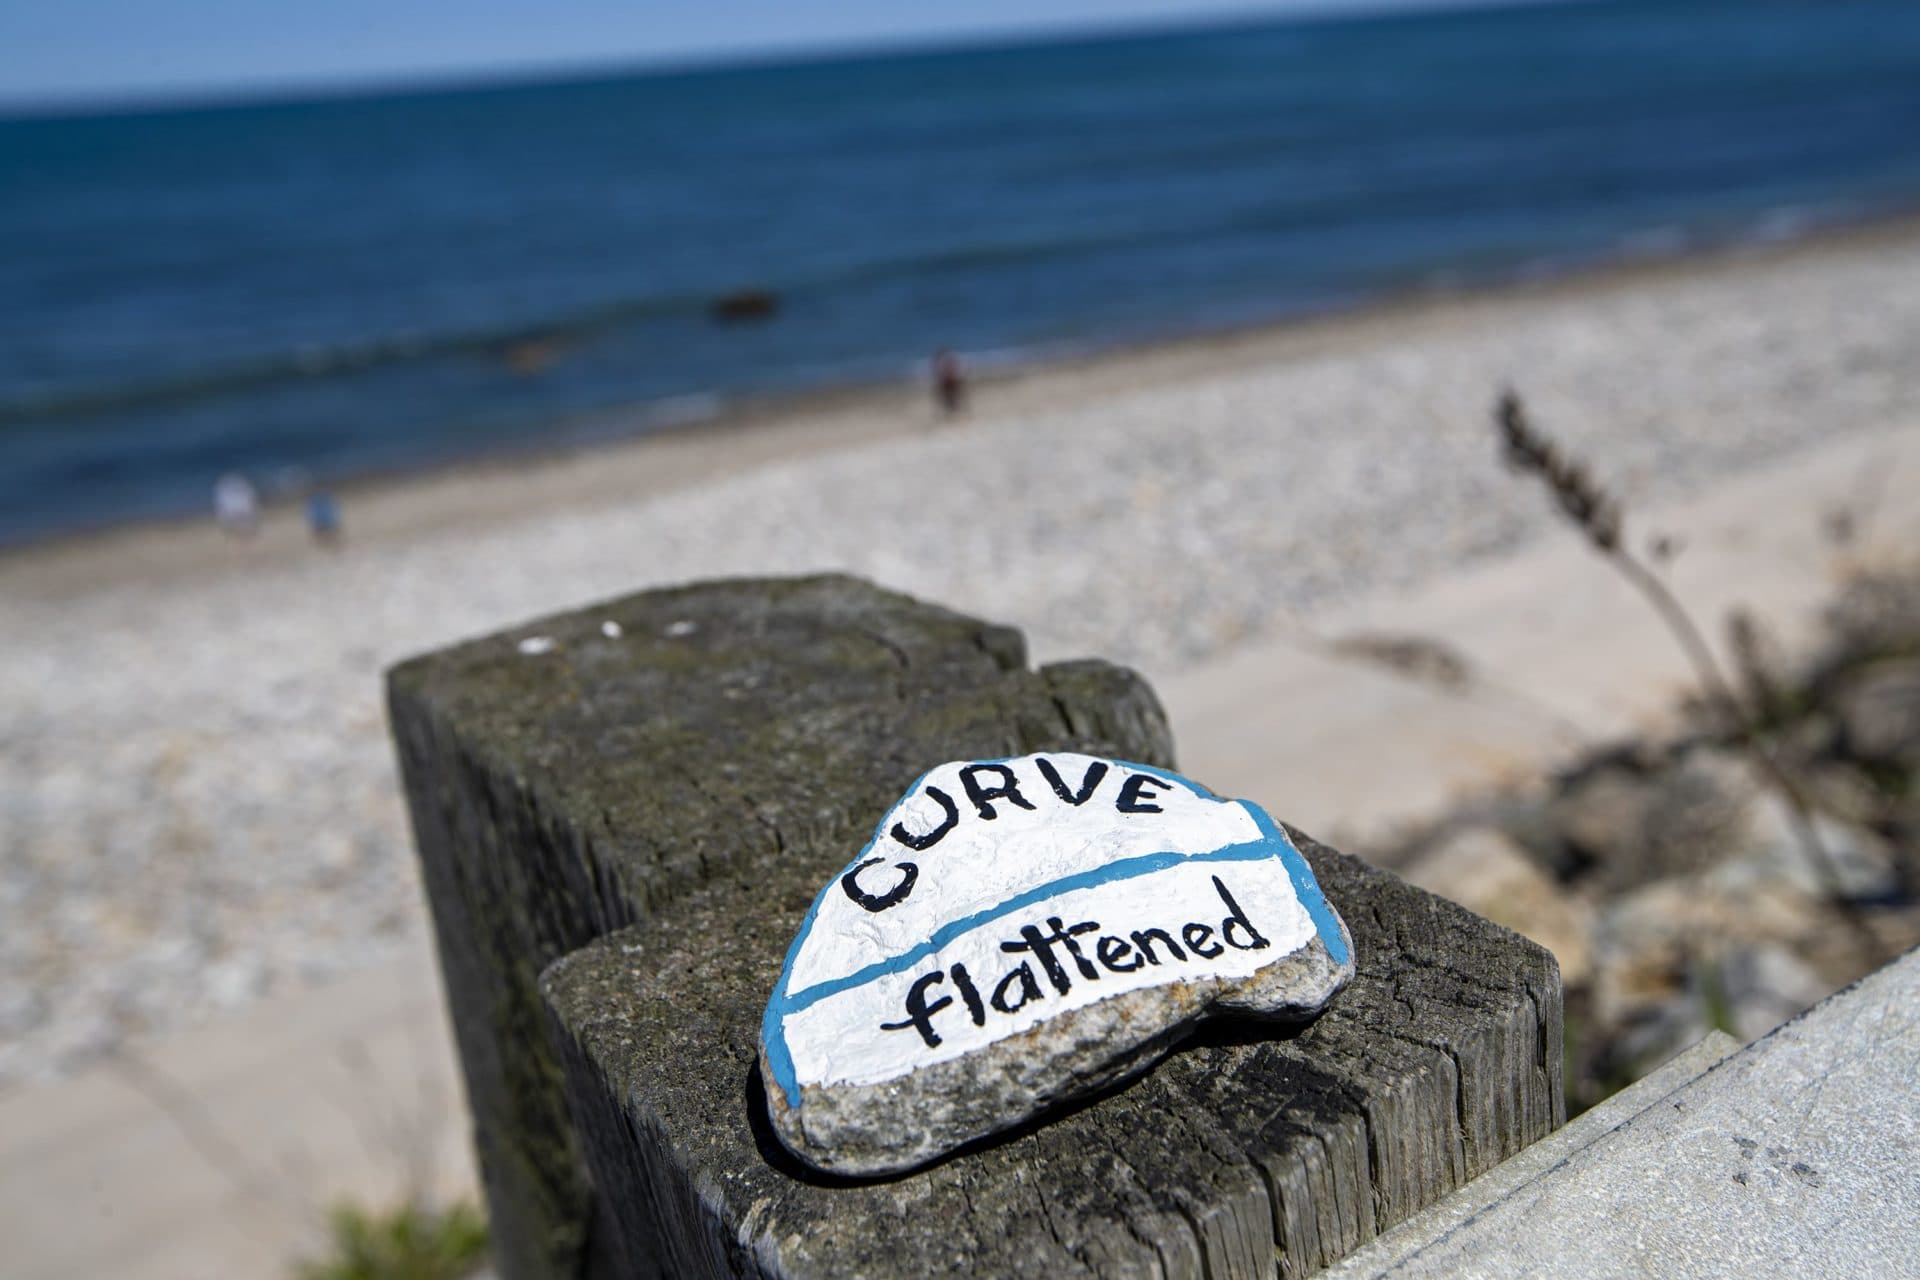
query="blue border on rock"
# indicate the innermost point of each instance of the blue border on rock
(1273, 843)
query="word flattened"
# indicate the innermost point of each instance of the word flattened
(1021, 932)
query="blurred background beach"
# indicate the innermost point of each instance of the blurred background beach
(1231, 301)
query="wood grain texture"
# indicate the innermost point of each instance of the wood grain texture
(709, 733)
(620, 837)
(1249, 1151)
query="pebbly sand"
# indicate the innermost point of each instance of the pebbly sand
(197, 801)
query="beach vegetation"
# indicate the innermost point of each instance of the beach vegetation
(1744, 714)
(411, 1240)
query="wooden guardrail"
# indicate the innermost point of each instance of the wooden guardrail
(624, 812)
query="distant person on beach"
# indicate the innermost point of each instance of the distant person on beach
(323, 518)
(236, 505)
(949, 382)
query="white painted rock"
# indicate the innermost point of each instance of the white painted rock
(1021, 932)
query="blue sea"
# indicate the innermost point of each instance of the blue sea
(349, 284)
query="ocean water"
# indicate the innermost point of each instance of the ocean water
(338, 286)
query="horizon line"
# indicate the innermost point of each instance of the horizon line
(320, 91)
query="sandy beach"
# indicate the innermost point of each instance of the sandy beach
(197, 794)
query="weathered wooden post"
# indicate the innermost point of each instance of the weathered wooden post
(624, 812)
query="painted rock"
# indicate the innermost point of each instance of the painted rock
(1021, 932)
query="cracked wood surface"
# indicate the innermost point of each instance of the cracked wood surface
(650, 745)
(1249, 1151)
(645, 815)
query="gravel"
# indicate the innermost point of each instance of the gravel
(197, 801)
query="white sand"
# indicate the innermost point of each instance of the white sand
(196, 794)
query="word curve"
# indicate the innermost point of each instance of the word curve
(1021, 932)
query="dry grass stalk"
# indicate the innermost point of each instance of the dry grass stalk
(1597, 515)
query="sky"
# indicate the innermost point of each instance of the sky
(72, 52)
